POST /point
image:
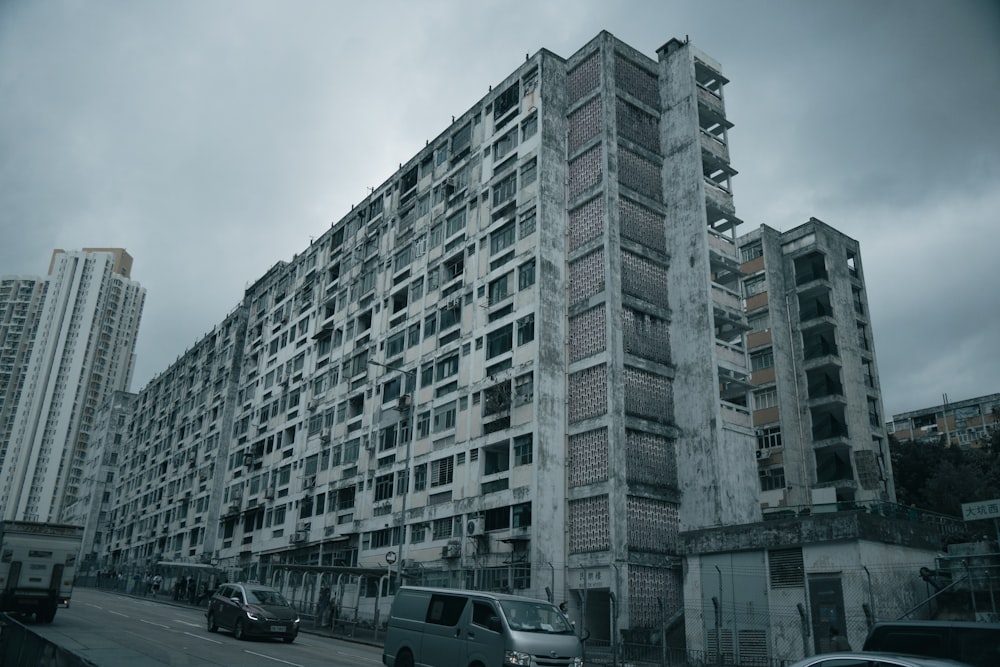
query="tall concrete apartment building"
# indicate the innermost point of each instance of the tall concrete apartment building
(817, 404)
(20, 301)
(517, 365)
(79, 351)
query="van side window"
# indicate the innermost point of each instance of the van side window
(482, 613)
(445, 609)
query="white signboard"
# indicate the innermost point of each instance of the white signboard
(984, 509)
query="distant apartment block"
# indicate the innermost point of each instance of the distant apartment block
(518, 364)
(66, 354)
(816, 400)
(968, 423)
(95, 494)
(20, 303)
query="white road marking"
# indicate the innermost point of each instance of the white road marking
(207, 639)
(95, 606)
(193, 625)
(118, 613)
(262, 655)
(159, 625)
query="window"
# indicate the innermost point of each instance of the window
(496, 458)
(456, 223)
(420, 477)
(526, 329)
(505, 189)
(755, 285)
(502, 238)
(441, 529)
(442, 472)
(424, 424)
(447, 367)
(444, 417)
(526, 275)
(529, 172)
(751, 251)
(759, 322)
(499, 341)
(383, 487)
(769, 437)
(529, 127)
(436, 236)
(772, 478)
(482, 613)
(523, 452)
(873, 413)
(504, 145)
(395, 345)
(498, 289)
(526, 224)
(760, 360)
(524, 388)
(765, 398)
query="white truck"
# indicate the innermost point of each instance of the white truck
(37, 567)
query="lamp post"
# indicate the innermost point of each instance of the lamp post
(405, 402)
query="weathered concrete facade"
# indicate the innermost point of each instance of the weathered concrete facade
(517, 365)
(817, 399)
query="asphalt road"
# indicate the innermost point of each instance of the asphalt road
(119, 631)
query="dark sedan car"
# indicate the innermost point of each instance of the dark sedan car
(252, 610)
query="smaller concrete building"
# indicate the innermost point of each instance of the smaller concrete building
(773, 590)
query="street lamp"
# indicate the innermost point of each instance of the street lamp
(407, 402)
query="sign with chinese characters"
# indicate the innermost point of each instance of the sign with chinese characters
(985, 509)
(593, 577)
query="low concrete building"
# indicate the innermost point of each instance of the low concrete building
(773, 590)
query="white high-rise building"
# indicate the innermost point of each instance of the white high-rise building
(77, 351)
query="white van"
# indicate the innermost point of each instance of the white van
(439, 627)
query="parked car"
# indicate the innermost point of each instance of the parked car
(252, 610)
(873, 659)
(972, 642)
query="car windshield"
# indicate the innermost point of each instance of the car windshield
(263, 596)
(531, 616)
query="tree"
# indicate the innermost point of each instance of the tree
(940, 479)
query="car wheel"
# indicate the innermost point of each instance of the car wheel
(212, 625)
(238, 630)
(404, 659)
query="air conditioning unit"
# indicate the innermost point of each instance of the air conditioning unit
(309, 482)
(297, 538)
(763, 454)
(403, 401)
(474, 527)
(325, 435)
(451, 551)
(302, 527)
(269, 494)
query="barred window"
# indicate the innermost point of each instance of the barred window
(442, 472)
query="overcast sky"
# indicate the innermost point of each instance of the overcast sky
(212, 139)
